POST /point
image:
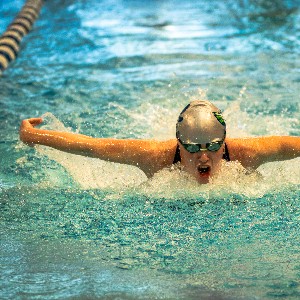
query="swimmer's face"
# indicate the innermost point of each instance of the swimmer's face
(203, 164)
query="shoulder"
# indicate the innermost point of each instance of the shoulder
(164, 152)
(156, 155)
(254, 151)
(248, 151)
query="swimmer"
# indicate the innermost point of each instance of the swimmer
(200, 145)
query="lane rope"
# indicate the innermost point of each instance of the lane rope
(10, 40)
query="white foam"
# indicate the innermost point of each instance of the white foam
(232, 179)
(241, 124)
(159, 122)
(90, 173)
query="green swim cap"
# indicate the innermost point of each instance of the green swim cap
(200, 122)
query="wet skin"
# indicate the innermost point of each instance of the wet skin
(203, 164)
(151, 155)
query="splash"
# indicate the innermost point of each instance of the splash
(242, 124)
(233, 179)
(90, 173)
(173, 183)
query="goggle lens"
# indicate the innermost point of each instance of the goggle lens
(193, 148)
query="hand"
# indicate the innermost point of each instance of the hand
(27, 130)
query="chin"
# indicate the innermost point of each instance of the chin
(202, 179)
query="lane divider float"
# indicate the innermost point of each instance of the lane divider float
(10, 40)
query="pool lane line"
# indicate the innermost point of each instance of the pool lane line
(10, 40)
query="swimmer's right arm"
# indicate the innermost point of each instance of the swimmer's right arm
(148, 155)
(55, 139)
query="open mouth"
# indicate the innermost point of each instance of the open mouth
(204, 170)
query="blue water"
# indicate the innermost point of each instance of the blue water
(79, 228)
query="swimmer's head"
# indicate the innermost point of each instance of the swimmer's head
(200, 122)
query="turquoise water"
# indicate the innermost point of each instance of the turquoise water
(79, 228)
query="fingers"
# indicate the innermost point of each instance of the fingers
(26, 130)
(32, 122)
(35, 121)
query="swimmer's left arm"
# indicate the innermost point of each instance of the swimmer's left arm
(253, 152)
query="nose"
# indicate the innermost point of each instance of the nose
(203, 156)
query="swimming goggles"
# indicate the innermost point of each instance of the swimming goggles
(193, 148)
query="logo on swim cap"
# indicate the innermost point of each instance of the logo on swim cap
(219, 117)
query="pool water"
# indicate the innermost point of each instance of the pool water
(79, 228)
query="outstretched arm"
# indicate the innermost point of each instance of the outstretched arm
(149, 155)
(253, 152)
